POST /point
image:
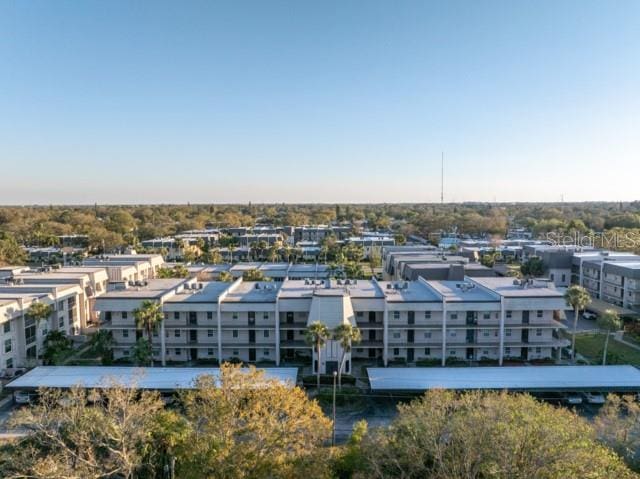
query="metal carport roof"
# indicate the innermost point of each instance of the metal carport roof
(517, 378)
(162, 379)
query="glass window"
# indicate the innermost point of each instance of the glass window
(507, 332)
(427, 351)
(235, 333)
(538, 332)
(125, 333)
(486, 315)
(396, 335)
(427, 334)
(396, 351)
(235, 316)
(210, 352)
(427, 315)
(176, 315)
(265, 315)
(177, 333)
(396, 315)
(454, 316)
(266, 333)
(539, 313)
(125, 315)
(210, 333)
(9, 363)
(509, 314)
(485, 332)
(507, 351)
(266, 352)
(209, 314)
(178, 351)
(6, 327)
(7, 345)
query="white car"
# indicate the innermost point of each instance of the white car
(588, 315)
(573, 399)
(594, 398)
(23, 397)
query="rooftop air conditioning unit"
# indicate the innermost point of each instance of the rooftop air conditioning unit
(257, 286)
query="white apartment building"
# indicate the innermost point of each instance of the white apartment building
(21, 338)
(474, 319)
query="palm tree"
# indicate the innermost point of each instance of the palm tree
(347, 335)
(578, 298)
(609, 321)
(316, 335)
(148, 316)
(102, 345)
(39, 312)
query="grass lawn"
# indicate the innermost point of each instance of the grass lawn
(592, 345)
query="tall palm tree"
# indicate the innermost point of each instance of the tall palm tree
(39, 312)
(609, 321)
(316, 335)
(346, 335)
(578, 298)
(148, 316)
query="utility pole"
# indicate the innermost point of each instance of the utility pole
(442, 179)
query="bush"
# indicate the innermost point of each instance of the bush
(428, 362)
(349, 395)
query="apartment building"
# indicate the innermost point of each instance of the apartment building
(474, 319)
(21, 337)
(123, 268)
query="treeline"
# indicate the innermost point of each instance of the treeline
(112, 227)
(248, 427)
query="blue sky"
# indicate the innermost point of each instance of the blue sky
(326, 101)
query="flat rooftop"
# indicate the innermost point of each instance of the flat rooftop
(299, 288)
(458, 291)
(506, 288)
(209, 293)
(155, 288)
(254, 292)
(519, 378)
(415, 292)
(161, 379)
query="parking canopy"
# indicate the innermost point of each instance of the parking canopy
(519, 378)
(598, 307)
(161, 379)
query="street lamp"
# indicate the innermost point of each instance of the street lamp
(333, 438)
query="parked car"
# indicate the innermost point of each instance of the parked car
(594, 397)
(589, 315)
(574, 399)
(24, 397)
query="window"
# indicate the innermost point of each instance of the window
(485, 352)
(60, 305)
(538, 332)
(176, 315)
(507, 332)
(177, 333)
(155, 333)
(178, 351)
(427, 315)
(509, 314)
(125, 315)
(6, 327)
(359, 314)
(485, 332)
(396, 335)
(539, 313)
(210, 352)
(396, 315)
(507, 351)
(61, 322)
(396, 351)
(235, 333)
(265, 316)
(210, 333)
(427, 334)
(266, 352)
(452, 334)
(234, 316)
(9, 363)
(7, 345)
(209, 314)
(125, 352)
(236, 352)
(427, 351)
(266, 333)
(486, 316)
(538, 350)
(107, 316)
(125, 333)
(452, 352)
(564, 278)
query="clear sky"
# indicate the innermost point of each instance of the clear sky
(318, 101)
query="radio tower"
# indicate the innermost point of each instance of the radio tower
(442, 179)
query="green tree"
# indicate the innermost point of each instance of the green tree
(148, 316)
(177, 271)
(533, 267)
(39, 312)
(578, 298)
(608, 321)
(213, 256)
(254, 275)
(10, 251)
(57, 347)
(347, 335)
(487, 435)
(143, 352)
(226, 277)
(353, 270)
(316, 335)
(241, 431)
(102, 345)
